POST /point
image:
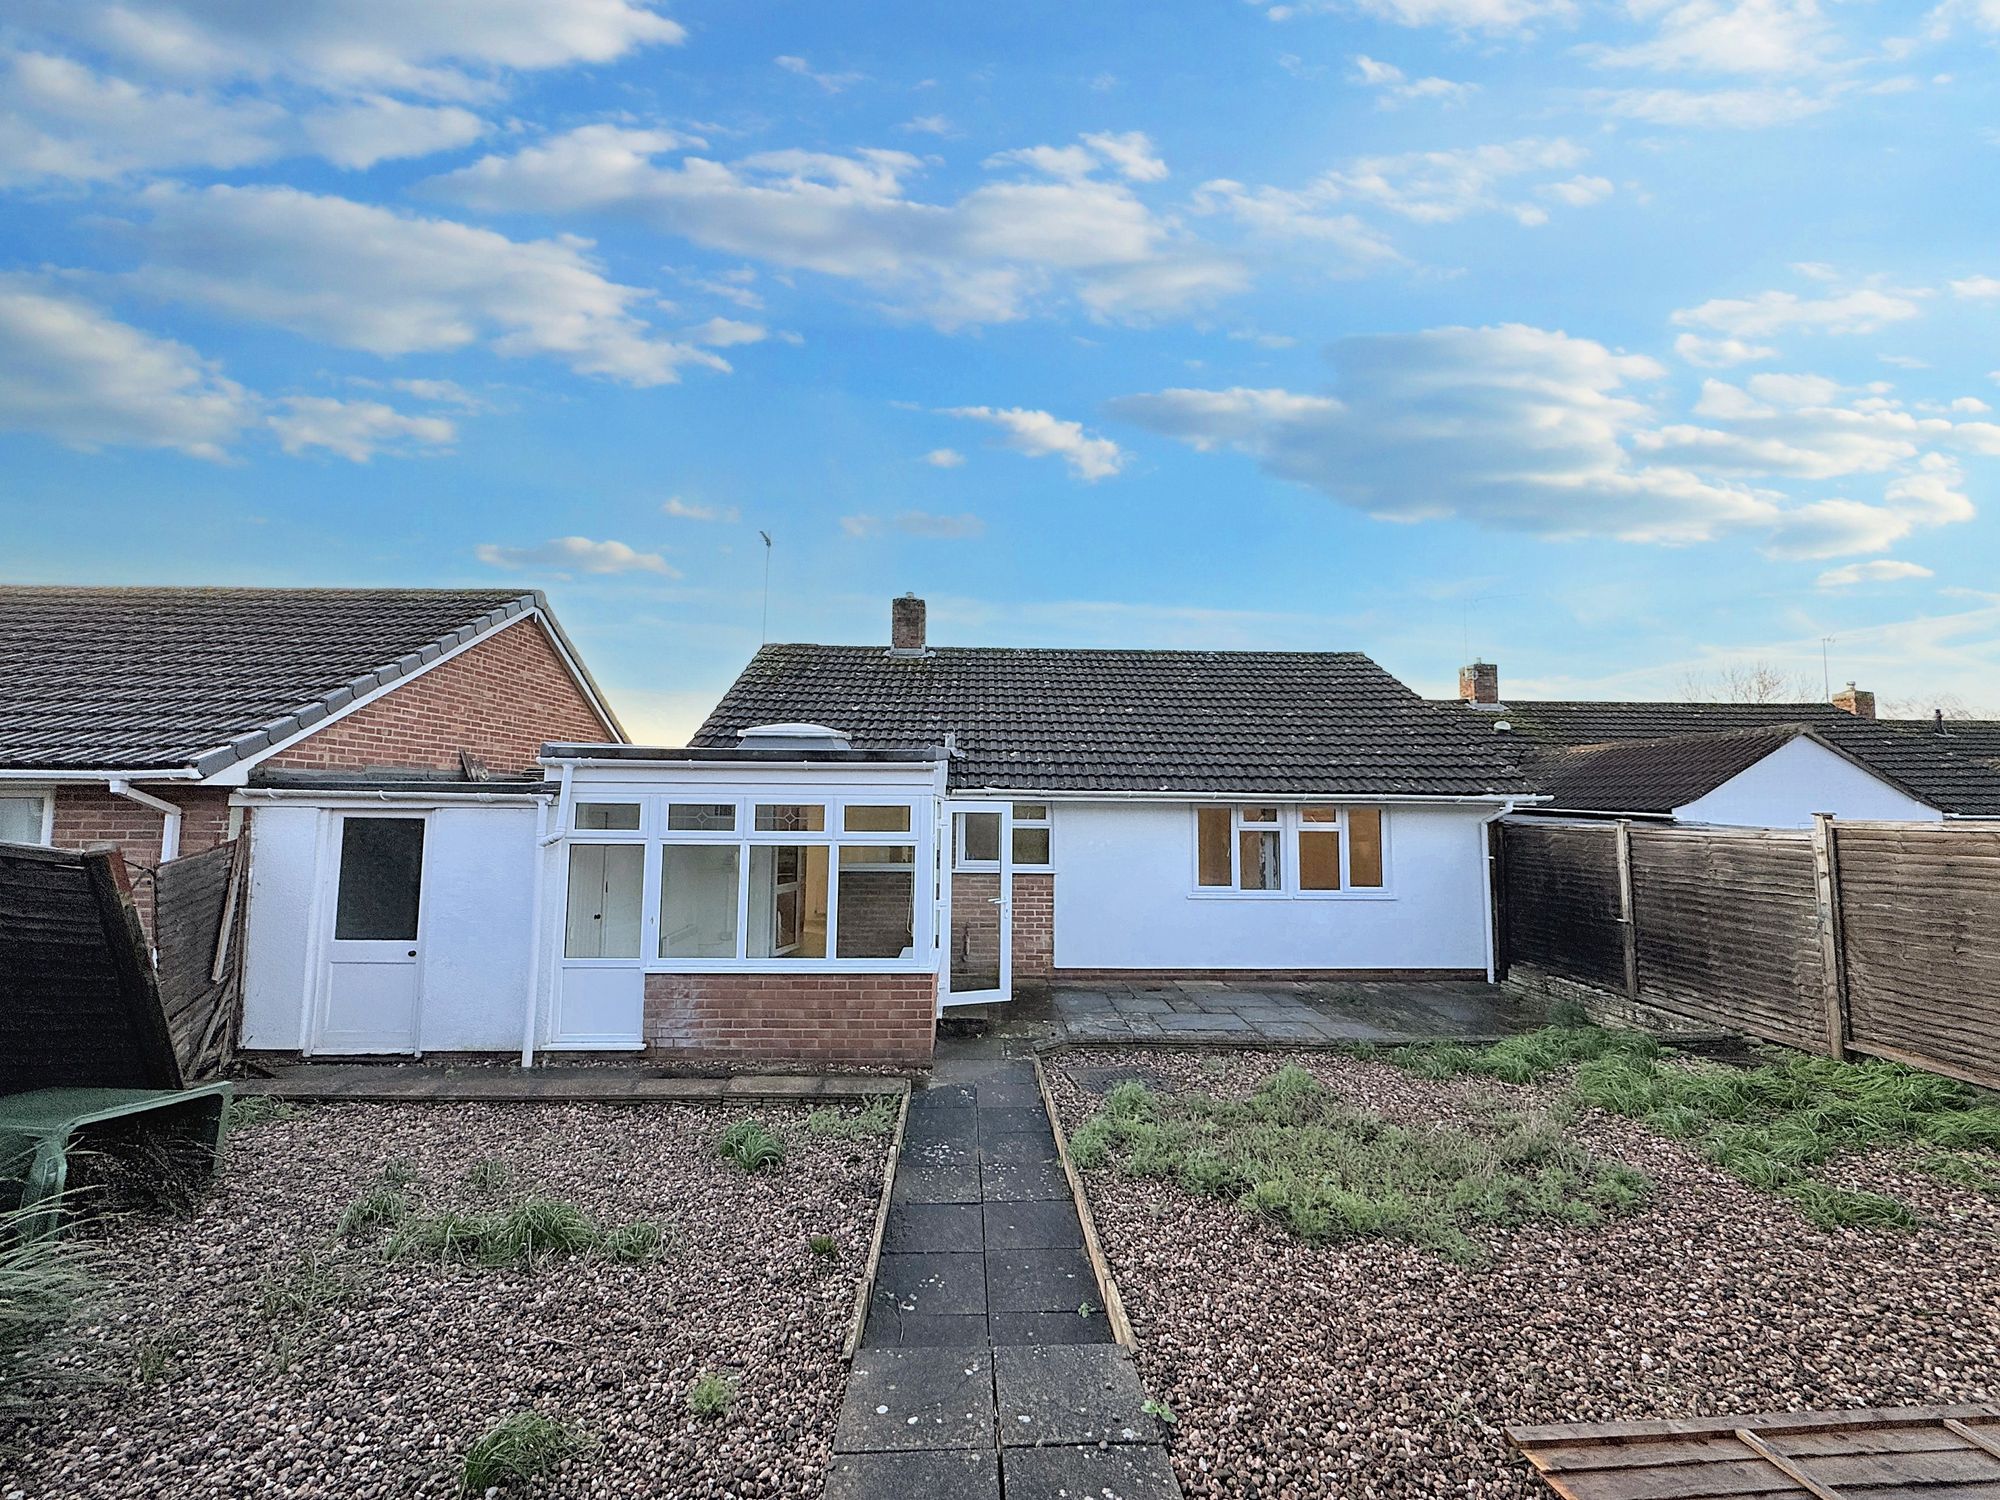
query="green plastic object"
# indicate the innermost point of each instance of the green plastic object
(39, 1129)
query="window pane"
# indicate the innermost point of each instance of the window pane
(1257, 861)
(875, 819)
(1031, 846)
(791, 817)
(979, 837)
(701, 817)
(619, 815)
(1319, 859)
(1212, 846)
(1259, 814)
(20, 820)
(788, 890)
(381, 873)
(1364, 848)
(877, 900)
(605, 881)
(1319, 815)
(1031, 812)
(698, 901)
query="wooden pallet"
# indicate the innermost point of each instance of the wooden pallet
(1902, 1453)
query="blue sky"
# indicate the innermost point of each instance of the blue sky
(1617, 342)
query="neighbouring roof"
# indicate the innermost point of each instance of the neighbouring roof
(1978, 738)
(1266, 723)
(1649, 776)
(136, 679)
(1926, 765)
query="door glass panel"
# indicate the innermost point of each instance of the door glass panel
(791, 817)
(605, 883)
(1364, 847)
(701, 817)
(887, 819)
(698, 901)
(788, 900)
(1319, 859)
(1257, 867)
(1212, 846)
(381, 875)
(979, 837)
(877, 900)
(623, 816)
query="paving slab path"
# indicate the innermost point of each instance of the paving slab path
(987, 1369)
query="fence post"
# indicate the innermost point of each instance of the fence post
(1832, 943)
(1627, 925)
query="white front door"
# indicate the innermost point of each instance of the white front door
(369, 1000)
(979, 961)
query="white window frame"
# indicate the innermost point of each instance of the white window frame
(24, 790)
(654, 835)
(1290, 823)
(1014, 821)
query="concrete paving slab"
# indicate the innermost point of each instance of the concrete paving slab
(931, 1282)
(1041, 1224)
(942, 1150)
(1128, 1472)
(1079, 1393)
(940, 1097)
(900, 1476)
(1005, 1119)
(925, 1184)
(1018, 1146)
(900, 1400)
(933, 1226)
(1018, 1182)
(1204, 1020)
(1047, 1280)
(1009, 1093)
(889, 1329)
(1048, 1328)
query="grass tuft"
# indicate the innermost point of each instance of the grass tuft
(876, 1117)
(46, 1288)
(489, 1176)
(1962, 1170)
(381, 1205)
(825, 1246)
(751, 1146)
(635, 1244)
(248, 1111)
(711, 1395)
(522, 1446)
(308, 1287)
(1842, 1208)
(448, 1236)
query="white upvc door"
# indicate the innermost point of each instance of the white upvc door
(370, 996)
(979, 952)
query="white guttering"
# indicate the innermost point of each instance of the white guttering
(174, 773)
(346, 795)
(1506, 800)
(639, 763)
(170, 815)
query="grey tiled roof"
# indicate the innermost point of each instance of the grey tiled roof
(1649, 776)
(160, 678)
(1273, 723)
(1928, 766)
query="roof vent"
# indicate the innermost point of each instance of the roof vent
(792, 737)
(1502, 726)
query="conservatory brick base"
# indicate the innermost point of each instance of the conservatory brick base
(792, 1018)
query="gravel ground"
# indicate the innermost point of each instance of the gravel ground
(379, 1396)
(1381, 1369)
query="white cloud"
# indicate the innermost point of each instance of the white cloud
(575, 554)
(1490, 16)
(1037, 434)
(1301, 215)
(440, 393)
(989, 256)
(1438, 187)
(1720, 109)
(379, 128)
(1513, 427)
(441, 47)
(363, 277)
(1393, 86)
(927, 125)
(1578, 192)
(725, 333)
(1865, 310)
(1787, 37)
(1130, 153)
(1981, 288)
(1832, 528)
(691, 510)
(916, 523)
(944, 458)
(356, 430)
(70, 372)
(1881, 570)
(833, 83)
(1716, 354)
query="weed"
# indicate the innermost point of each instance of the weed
(399, 1171)
(1961, 1170)
(520, 1446)
(489, 1176)
(155, 1355)
(711, 1395)
(1977, 1127)
(1568, 1014)
(305, 1290)
(381, 1205)
(1159, 1411)
(824, 1246)
(448, 1236)
(535, 1229)
(751, 1147)
(1085, 1309)
(247, 1111)
(633, 1244)
(877, 1117)
(1841, 1208)
(46, 1287)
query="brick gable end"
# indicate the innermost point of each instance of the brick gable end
(500, 700)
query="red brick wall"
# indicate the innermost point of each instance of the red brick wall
(1251, 976)
(1034, 927)
(500, 699)
(87, 815)
(802, 1018)
(975, 922)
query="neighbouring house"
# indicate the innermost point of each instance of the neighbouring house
(379, 746)
(1768, 765)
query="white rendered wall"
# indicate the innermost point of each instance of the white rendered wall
(1125, 899)
(1786, 787)
(284, 843)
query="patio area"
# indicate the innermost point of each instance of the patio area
(1297, 1013)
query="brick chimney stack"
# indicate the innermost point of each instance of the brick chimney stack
(906, 626)
(1853, 700)
(1479, 684)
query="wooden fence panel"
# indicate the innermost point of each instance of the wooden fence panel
(1727, 931)
(1920, 930)
(197, 919)
(1561, 907)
